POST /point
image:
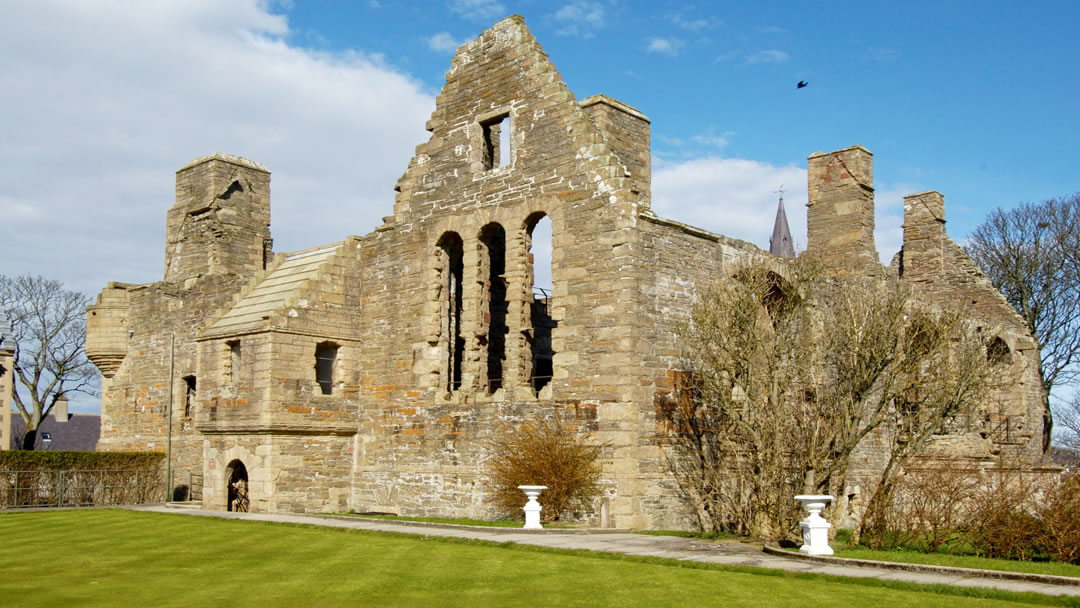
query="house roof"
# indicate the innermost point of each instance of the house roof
(80, 432)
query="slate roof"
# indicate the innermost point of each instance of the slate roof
(780, 243)
(80, 432)
(276, 290)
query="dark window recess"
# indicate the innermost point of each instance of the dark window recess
(494, 238)
(189, 396)
(496, 145)
(453, 250)
(325, 356)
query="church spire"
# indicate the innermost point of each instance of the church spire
(780, 243)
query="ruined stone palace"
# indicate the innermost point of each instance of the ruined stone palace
(372, 373)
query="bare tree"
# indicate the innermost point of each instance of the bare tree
(49, 328)
(1068, 418)
(787, 375)
(1032, 254)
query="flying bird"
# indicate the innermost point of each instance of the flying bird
(802, 83)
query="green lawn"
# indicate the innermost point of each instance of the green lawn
(958, 561)
(112, 557)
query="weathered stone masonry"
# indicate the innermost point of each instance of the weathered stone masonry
(373, 373)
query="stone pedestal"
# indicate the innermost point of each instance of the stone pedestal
(532, 508)
(815, 530)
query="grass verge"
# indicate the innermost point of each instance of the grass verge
(105, 557)
(957, 561)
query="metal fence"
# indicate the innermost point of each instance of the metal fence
(78, 488)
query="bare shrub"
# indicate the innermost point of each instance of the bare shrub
(1003, 522)
(547, 454)
(1059, 515)
(930, 509)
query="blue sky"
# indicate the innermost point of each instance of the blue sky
(103, 101)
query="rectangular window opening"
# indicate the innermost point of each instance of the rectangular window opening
(235, 361)
(496, 134)
(325, 357)
(189, 396)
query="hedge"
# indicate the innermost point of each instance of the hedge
(32, 460)
(62, 479)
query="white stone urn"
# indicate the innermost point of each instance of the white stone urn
(532, 508)
(815, 530)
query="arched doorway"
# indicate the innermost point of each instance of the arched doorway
(236, 481)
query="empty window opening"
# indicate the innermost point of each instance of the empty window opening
(997, 352)
(539, 271)
(189, 396)
(236, 361)
(325, 357)
(496, 144)
(454, 343)
(493, 236)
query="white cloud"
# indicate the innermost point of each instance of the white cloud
(738, 198)
(443, 42)
(580, 19)
(478, 10)
(692, 23)
(733, 197)
(111, 101)
(769, 56)
(889, 219)
(665, 46)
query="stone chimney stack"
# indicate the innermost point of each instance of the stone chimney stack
(220, 222)
(60, 410)
(627, 131)
(840, 209)
(924, 236)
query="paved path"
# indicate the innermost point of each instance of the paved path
(673, 547)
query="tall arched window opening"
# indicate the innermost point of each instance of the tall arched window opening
(452, 266)
(493, 237)
(538, 226)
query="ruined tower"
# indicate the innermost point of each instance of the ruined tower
(840, 208)
(220, 222)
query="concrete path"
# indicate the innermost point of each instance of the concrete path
(673, 547)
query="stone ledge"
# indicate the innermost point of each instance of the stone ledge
(275, 428)
(1048, 579)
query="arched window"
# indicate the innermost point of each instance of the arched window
(493, 238)
(538, 228)
(998, 352)
(451, 266)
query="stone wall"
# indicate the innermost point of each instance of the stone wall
(375, 373)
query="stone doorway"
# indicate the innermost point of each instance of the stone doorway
(236, 479)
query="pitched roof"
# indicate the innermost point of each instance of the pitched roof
(276, 290)
(780, 242)
(80, 432)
